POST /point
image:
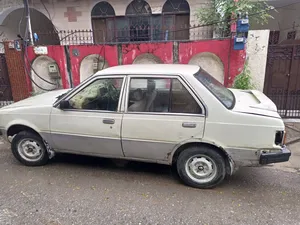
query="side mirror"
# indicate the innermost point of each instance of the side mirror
(64, 104)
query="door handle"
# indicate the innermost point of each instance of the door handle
(108, 121)
(189, 125)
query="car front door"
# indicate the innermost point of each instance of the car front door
(160, 113)
(92, 122)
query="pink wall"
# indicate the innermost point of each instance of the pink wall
(108, 52)
(221, 48)
(237, 61)
(164, 51)
(58, 54)
(233, 61)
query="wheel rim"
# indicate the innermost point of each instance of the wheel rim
(201, 169)
(30, 150)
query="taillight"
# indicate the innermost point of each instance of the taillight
(284, 138)
(279, 137)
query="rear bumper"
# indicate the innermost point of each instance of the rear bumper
(282, 156)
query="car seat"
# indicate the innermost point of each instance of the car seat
(140, 101)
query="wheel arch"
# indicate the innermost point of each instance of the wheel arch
(19, 125)
(220, 150)
(17, 128)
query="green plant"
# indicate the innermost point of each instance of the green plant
(225, 12)
(243, 81)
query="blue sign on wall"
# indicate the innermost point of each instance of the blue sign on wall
(239, 43)
(243, 26)
(17, 45)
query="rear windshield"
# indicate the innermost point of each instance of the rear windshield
(224, 95)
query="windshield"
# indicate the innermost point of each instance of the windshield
(224, 95)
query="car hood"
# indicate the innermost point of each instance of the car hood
(254, 102)
(44, 99)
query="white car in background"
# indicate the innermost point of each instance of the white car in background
(169, 114)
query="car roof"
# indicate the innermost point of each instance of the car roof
(151, 69)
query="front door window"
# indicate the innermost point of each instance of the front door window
(102, 94)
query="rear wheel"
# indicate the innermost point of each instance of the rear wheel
(29, 149)
(201, 167)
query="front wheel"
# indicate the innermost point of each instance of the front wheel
(201, 167)
(29, 149)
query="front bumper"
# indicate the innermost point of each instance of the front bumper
(282, 156)
(3, 134)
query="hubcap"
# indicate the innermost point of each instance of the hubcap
(30, 150)
(201, 168)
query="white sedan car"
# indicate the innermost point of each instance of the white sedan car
(177, 115)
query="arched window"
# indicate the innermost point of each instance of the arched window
(176, 7)
(139, 24)
(103, 22)
(176, 17)
(103, 9)
(138, 7)
(139, 18)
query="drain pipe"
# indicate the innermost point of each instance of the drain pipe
(29, 28)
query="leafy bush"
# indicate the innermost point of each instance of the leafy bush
(243, 81)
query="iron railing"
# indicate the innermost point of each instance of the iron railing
(5, 103)
(288, 105)
(126, 35)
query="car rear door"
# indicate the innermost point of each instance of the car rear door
(160, 112)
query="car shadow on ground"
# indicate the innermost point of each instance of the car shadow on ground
(241, 178)
(112, 164)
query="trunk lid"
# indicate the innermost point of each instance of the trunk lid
(254, 102)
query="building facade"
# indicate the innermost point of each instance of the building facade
(286, 23)
(96, 21)
(128, 31)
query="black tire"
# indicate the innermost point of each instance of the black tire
(42, 159)
(212, 156)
